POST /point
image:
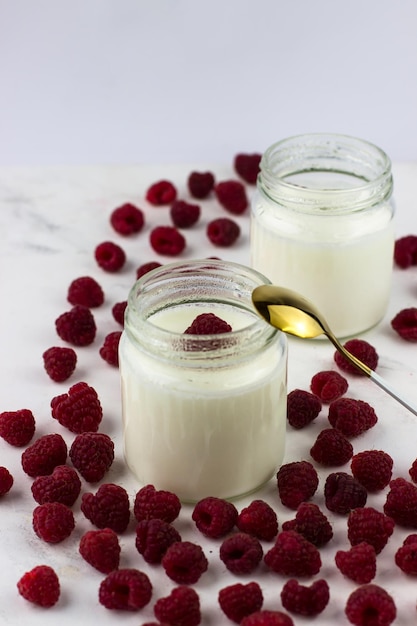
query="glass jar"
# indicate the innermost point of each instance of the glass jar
(203, 415)
(322, 225)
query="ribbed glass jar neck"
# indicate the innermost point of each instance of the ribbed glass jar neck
(322, 173)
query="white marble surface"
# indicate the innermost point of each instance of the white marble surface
(50, 222)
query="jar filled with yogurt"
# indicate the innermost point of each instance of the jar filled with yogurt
(203, 415)
(322, 225)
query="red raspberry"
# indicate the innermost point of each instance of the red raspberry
(44, 455)
(405, 251)
(401, 503)
(181, 607)
(53, 522)
(40, 586)
(311, 523)
(167, 240)
(17, 427)
(161, 192)
(92, 455)
(200, 184)
(107, 508)
(214, 517)
(363, 351)
(208, 324)
(127, 219)
(151, 504)
(368, 524)
(63, 486)
(59, 363)
(305, 600)
(153, 538)
(358, 563)
(329, 385)
(109, 256)
(258, 519)
(231, 194)
(267, 618)
(184, 214)
(223, 232)
(297, 482)
(125, 590)
(6, 481)
(118, 312)
(331, 448)
(302, 408)
(370, 604)
(372, 468)
(79, 410)
(352, 417)
(237, 601)
(85, 291)
(293, 555)
(147, 267)
(184, 562)
(413, 471)
(109, 351)
(101, 549)
(343, 493)
(406, 556)
(247, 166)
(77, 326)
(241, 553)
(405, 324)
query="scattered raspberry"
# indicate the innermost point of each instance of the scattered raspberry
(238, 601)
(214, 517)
(44, 455)
(363, 351)
(150, 504)
(125, 590)
(405, 251)
(406, 556)
(40, 586)
(311, 523)
(101, 549)
(370, 605)
(59, 363)
(184, 562)
(79, 410)
(208, 324)
(108, 508)
(109, 256)
(153, 538)
(413, 471)
(161, 192)
(401, 503)
(368, 524)
(200, 184)
(181, 607)
(343, 493)
(53, 522)
(6, 481)
(231, 194)
(267, 618)
(302, 408)
(331, 448)
(352, 417)
(85, 291)
(118, 312)
(297, 482)
(241, 553)
(147, 267)
(293, 555)
(358, 563)
(77, 326)
(405, 324)
(92, 455)
(329, 385)
(127, 219)
(372, 468)
(223, 232)
(305, 600)
(63, 486)
(17, 427)
(258, 519)
(167, 240)
(109, 351)
(247, 166)
(183, 214)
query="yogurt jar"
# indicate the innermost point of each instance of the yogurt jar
(203, 415)
(322, 225)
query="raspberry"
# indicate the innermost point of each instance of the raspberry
(302, 408)
(167, 240)
(343, 493)
(6, 481)
(77, 326)
(297, 482)
(370, 605)
(405, 324)
(406, 556)
(329, 385)
(413, 471)
(208, 324)
(352, 417)
(151, 504)
(405, 251)
(331, 448)
(40, 586)
(267, 618)
(311, 523)
(53, 522)
(107, 508)
(214, 517)
(63, 486)
(109, 256)
(85, 291)
(358, 563)
(293, 555)
(258, 519)
(127, 219)
(147, 267)
(101, 549)
(304, 600)
(181, 607)
(44, 455)
(223, 232)
(184, 562)
(237, 601)
(401, 502)
(125, 590)
(368, 524)
(247, 166)
(372, 468)
(79, 410)
(231, 194)
(200, 184)
(161, 192)
(59, 363)
(109, 351)
(92, 455)
(363, 351)
(118, 312)
(184, 214)
(153, 538)
(17, 427)
(241, 553)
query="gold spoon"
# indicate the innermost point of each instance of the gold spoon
(288, 311)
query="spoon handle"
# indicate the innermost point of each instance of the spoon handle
(384, 385)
